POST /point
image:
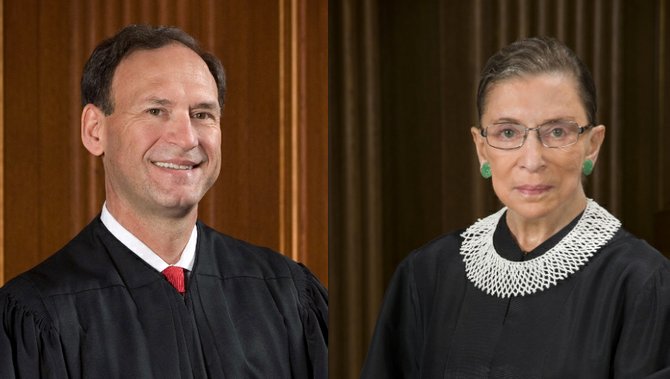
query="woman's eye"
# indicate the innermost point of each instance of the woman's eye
(557, 132)
(509, 133)
(506, 132)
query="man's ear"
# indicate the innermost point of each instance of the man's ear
(92, 120)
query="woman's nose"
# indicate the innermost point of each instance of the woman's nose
(532, 151)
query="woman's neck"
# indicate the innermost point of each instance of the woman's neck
(531, 233)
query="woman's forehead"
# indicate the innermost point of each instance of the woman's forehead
(535, 97)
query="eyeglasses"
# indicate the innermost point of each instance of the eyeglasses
(552, 134)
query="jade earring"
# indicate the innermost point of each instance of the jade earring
(587, 167)
(485, 170)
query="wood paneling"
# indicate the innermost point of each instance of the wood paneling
(275, 58)
(310, 136)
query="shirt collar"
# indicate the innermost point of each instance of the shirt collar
(143, 251)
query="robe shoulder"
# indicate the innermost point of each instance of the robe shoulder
(229, 258)
(632, 256)
(232, 257)
(79, 266)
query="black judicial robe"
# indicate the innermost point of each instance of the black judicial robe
(96, 310)
(610, 319)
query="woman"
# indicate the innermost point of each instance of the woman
(550, 286)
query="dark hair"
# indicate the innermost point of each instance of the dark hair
(96, 81)
(537, 55)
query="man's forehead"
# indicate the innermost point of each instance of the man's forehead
(160, 74)
(168, 48)
(173, 57)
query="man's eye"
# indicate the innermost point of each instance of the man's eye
(202, 115)
(154, 111)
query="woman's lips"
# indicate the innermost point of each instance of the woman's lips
(533, 190)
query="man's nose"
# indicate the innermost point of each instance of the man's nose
(181, 132)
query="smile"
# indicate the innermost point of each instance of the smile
(172, 166)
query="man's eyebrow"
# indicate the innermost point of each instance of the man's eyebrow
(206, 105)
(203, 105)
(159, 101)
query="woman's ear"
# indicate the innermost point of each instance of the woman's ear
(596, 138)
(480, 143)
(92, 124)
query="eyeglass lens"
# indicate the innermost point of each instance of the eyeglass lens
(552, 134)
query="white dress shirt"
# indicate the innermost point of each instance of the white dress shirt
(143, 251)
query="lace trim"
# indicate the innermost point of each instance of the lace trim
(500, 277)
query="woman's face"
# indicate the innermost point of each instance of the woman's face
(535, 181)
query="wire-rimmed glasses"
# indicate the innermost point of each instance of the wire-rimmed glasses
(552, 134)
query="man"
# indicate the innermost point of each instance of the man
(145, 290)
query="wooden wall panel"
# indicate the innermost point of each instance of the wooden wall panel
(310, 143)
(55, 186)
(22, 137)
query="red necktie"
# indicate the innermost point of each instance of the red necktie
(175, 275)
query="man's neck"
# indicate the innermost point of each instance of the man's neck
(165, 236)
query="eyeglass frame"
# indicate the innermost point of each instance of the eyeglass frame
(580, 130)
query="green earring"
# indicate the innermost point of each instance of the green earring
(485, 170)
(587, 167)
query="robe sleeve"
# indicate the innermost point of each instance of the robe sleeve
(29, 345)
(396, 341)
(314, 317)
(643, 350)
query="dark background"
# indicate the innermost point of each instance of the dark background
(402, 83)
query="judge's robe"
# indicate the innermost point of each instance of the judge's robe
(96, 310)
(610, 319)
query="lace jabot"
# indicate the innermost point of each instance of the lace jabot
(497, 276)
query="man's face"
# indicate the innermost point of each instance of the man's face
(162, 143)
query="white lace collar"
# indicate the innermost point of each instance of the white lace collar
(497, 276)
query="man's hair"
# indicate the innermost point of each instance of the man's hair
(96, 81)
(534, 56)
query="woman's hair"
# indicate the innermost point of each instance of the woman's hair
(534, 56)
(96, 81)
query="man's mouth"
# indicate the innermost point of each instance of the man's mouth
(174, 166)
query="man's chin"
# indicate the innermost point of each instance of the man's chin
(177, 207)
